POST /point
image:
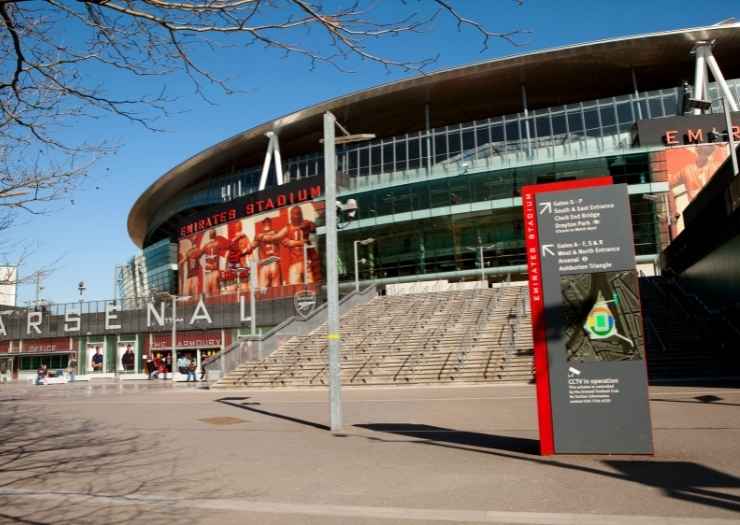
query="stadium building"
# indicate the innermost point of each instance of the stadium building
(437, 188)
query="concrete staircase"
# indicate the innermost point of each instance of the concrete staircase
(682, 341)
(456, 336)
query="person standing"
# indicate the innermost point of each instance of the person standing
(97, 360)
(128, 359)
(182, 365)
(72, 367)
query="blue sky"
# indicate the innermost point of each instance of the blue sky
(86, 239)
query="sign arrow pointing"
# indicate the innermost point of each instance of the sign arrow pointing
(545, 207)
(547, 250)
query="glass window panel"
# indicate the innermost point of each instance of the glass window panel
(351, 163)
(669, 103)
(459, 190)
(414, 153)
(402, 199)
(439, 194)
(608, 117)
(364, 161)
(512, 131)
(386, 203)
(558, 124)
(401, 155)
(367, 205)
(497, 133)
(656, 108)
(483, 136)
(468, 138)
(575, 122)
(543, 126)
(591, 117)
(388, 157)
(420, 196)
(440, 147)
(375, 167)
(425, 144)
(453, 141)
(624, 112)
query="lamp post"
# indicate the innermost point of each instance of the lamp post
(332, 278)
(480, 249)
(364, 242)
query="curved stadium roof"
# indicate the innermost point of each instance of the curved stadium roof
(556, 76)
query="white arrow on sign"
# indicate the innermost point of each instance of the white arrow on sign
(545, 207)
(547, 250)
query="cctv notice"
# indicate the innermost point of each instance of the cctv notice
(586, 391)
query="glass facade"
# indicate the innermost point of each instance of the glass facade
(438, 226)
(154, 270)
(552, 134)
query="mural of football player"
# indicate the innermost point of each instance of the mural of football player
(294, 236)
(190, 264)
(268, 244)
(214, 262)
(240, 248)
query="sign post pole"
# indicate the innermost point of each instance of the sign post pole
(332, 277)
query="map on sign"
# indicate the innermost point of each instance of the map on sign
(602, 316)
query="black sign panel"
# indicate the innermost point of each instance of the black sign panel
(689, 129)
(594, 330)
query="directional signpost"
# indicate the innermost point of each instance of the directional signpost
(587, 322)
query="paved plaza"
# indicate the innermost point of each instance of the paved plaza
(152, 453)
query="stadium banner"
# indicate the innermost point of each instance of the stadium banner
(281, 242)
(271, 199)
(591, 373)
(688, 170)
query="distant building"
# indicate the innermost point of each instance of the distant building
(149, 272)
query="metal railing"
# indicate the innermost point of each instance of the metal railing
(259, 347)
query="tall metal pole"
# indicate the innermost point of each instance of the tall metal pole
(174, 336)
(357, 268)
(482, 266)
(252, 296)
(730, 137)
(115, 282)
(332, 278)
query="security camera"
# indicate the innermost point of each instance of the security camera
(348, 209)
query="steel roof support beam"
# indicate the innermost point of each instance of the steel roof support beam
(273, 151)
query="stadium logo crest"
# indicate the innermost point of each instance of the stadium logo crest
(305, 303)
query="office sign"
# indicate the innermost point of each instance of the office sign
(587, 321)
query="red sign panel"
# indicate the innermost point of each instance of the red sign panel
(208, 339)
(38, 346)
(534, 272)
(4, 347)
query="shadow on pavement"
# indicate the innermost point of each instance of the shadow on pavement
(678, 479)
(67, 471)
(458, 437)
(681, 480)
(699, 400)
(251, 407)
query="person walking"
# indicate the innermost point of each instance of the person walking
(192, 367)
(41, 375)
